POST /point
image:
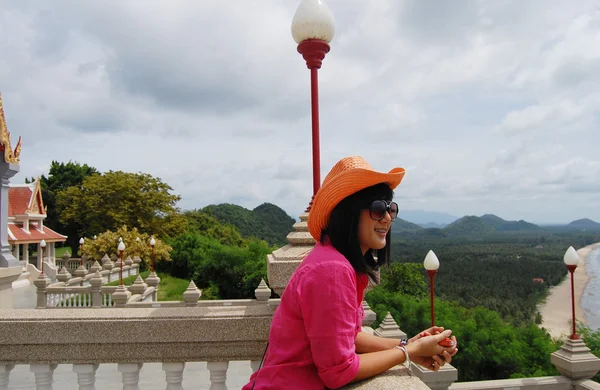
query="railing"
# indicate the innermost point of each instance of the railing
(87, 338)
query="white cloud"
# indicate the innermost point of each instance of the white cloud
(490, 106)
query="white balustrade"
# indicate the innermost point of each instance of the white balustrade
(218, 375)
(44, 374)
(5, 375)
(131, 375)
(174, 375)
(86, 375)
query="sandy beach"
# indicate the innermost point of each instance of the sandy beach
(556, 311)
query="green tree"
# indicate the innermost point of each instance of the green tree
(227, 272)
(107, 242)
(115, 198)
(60, 177)
(207, 225)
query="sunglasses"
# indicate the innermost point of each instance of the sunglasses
(378, 208)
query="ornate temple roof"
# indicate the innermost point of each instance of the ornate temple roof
(10, 156)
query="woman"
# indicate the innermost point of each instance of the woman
(315, 341)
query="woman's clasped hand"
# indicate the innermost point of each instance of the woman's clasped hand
(424, 348)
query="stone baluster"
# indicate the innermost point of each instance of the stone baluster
(262, 292)
(95, 267)
(63, 275)
(370, 315)
(81, 272)
(121, 296)
(41, 283)
(389, 329)
(104, 259)
(153, 281)
(191, 295)
(575, 360)
(174, 375)
(96, 283)
(138, 286)
(218, 375)
(44, 375)
(131, 375)
(5, 375)
(86, 375)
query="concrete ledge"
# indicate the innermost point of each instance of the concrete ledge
(587, 384)
(398, 377)
(540, 383)
(134, 335)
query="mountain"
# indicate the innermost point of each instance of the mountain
(468, 226)
(433, 225)
(402, 226)
(502, 225)
(266, 222)
(423, 217)
(584, 223)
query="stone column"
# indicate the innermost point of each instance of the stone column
(7, 170)
(282, 263)
(26, 253)
(10, 268)
(574, 360)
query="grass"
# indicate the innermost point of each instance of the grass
(61, 251)
(169, 288)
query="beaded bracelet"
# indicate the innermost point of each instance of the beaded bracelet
(403, 349)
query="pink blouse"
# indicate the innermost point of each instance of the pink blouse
(311, 342)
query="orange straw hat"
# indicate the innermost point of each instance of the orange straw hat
(348, 176)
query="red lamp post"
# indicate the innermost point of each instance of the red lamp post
(42, 247)
(152, 243)
(121, 248)
(431, 264)
(313, 28)
(571, 259)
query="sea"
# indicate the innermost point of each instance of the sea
(590, 301)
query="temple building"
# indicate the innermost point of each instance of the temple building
(26, 214)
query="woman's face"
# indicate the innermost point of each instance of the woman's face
(371, 233)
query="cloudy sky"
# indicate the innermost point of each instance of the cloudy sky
(491, 106)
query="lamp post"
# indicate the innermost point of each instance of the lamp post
(43, 246)
(81, 241)
(431, 264)
(152, 243)
(121, 248)
(571, 259)
(137, 246)
(312, 29)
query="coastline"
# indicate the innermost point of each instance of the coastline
(556, 310)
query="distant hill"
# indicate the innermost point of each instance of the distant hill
(584, 223)
(468, 226)
(423, 217)
(267, 221)
(502, 225)
(402, 226)
(430, 225)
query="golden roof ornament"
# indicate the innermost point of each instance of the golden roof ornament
(5, 146)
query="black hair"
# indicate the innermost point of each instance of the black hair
(342, 230)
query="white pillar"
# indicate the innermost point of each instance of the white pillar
(86, 375)
(44, 375)
(5, 375)
(131, 375)
(26, 254)
(174, 375)
(254, 364)
(218, 375)
(53, 252)
(39, 257)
